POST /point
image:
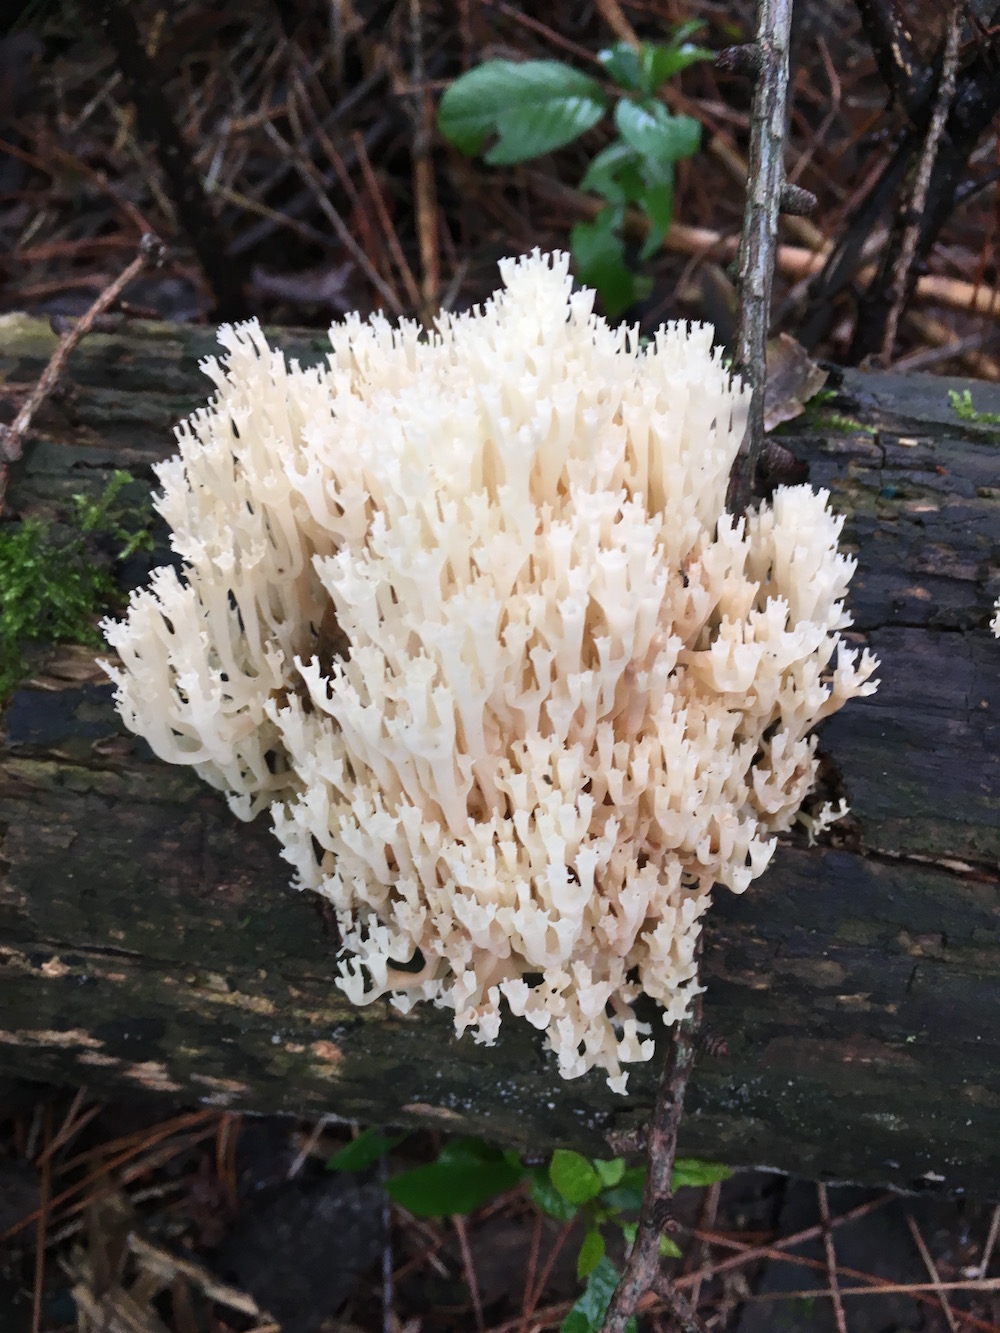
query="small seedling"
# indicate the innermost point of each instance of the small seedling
(961, 405)
(468, 1173)
(537, 106)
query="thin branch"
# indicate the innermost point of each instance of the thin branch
(759, 238)
(892, 43)
(151, 253)
(830, 1253)
(642, 1271)
(157, 124)
(901, 274)
(932, 1271)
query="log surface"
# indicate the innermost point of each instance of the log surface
(148, 939)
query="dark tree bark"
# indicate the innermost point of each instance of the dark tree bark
(148, 939)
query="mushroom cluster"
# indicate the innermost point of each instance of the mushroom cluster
(466, 611)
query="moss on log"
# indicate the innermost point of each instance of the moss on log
(148, 940)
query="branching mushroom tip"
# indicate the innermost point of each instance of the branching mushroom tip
(466, 611)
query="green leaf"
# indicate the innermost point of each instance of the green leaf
(467, 1173)
(658, 63)
(685, 30)
(603, 176)
(658, 204)
(548, 1198)
(573, 1176)
(693, 1171)
(610, 1172)
(621, 63)
(587, 1315)
(534, 107)
(599, 256)
(654, 133)
(591, 1253)
(668, 1249)
(368, 1147)
(627, 1194)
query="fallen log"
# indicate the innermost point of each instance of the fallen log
(149, 941)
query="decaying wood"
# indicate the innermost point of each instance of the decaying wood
(148, 940)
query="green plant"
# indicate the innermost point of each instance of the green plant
(537, 106)
(961, 405)
(603, 1193)
(55, 580)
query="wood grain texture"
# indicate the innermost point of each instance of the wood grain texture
(148, 940)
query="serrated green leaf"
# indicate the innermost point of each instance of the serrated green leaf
(361, 1152)
(610, 1172)
(466, 1174)
(587, 1315)
(533, 107)
(573, 1176)
(591, 1253)
(654, 133)
(658, 62)
(621, 63)
(693, 1171)
(599, 258)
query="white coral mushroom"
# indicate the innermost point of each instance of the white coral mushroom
(571, 694)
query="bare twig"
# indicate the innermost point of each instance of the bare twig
(529, 1311)
(311, 177)
(991, 1238)
(41, 1226)
(901, 274)
(470, 1271)
(748, 1254)
(932, 1271)
(990, 1284)
(700, 1256)
(151, 252)
(642, 1271)
(831, 1258)
(156, 123)
(892, 44)
(759, 238)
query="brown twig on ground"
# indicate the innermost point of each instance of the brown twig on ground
(642, 1270)
(779, 1251)
(991, 1239)
(41, 1226)
(156, 123)
(899, 288)
(151, 252)
(830, 1253)
(529, 1314)
(470, 1270)
(932, 1271)
(768, 56)
(313, 179)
